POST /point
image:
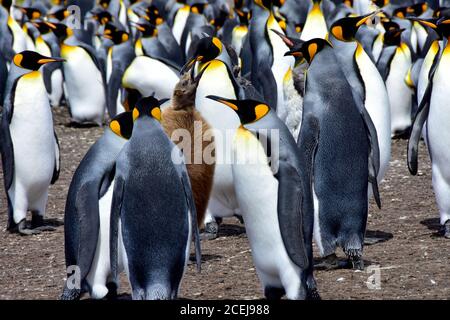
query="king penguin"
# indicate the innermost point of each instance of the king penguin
(433, 110)
(332, 118)
(87, 213)
(269, 195)
(210, 62)
(84, 79)
(30, 150)
(393, 65)
(156, 229)
(364, 77)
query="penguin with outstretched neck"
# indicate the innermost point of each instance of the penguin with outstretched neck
(29, 147)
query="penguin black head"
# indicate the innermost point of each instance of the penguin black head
(31, 13)
(148, 107)
(307, 50)
(60, 14)
(441, 12)
(198, 8)
(238, 4)
(42, 27)
(153, 16)
(389, 24)
(414, 10)
(60, 30)
(244, 16)
(380, 3)
(207, 49)
(219, 19)
(6, 4)
(345, 29)
(102, 16)
(117, 36)
(393, 37)
(104, 3)
(146, 28)
(122, 125)
(249, 111)
(265, 4)
(443, 27)
(32, 60)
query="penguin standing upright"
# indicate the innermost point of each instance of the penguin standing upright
(270, 196)
(393, 65)
(119, 57)
(87, 212)
(47, 44)
(433, 110)
(84, 79)
(193, 135)
(210, 59)
(332, 118)
(357, 66)
(30, 150)
(156, 229)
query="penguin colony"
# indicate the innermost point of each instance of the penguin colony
(312, 92)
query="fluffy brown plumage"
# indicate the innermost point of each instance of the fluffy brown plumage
(182, 115)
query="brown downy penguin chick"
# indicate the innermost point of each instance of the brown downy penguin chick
(183, 115)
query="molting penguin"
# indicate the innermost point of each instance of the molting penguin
(156, 229)
(270, 195)
(87, 213)
(30, 150)
(332, 118)
(185, 126)
(210, 61)
(433, 110)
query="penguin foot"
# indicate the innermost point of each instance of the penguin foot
(239, 217)
(447, 229)
(331, 262)
(112, 291)
(355, 258)
(24, 231)
(272, 293)
(313, 294)
(37, 223)
(70, 294)
(211, 231)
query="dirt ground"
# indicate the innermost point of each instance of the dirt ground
(414, 262)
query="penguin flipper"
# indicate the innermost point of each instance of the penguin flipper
(267, 85)
(290, 213)
(57, 160)
(82, 238)
(47, 72)
(193, 211)
(114, 84)
(374, 151)
(116, 207)
(7, 151)
(416, 130)
(420, 118)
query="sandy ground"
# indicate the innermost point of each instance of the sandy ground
(413, 264)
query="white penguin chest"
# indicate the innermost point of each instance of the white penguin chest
(439, 116)
(149, 76)
(31, 130)
(257, 196)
